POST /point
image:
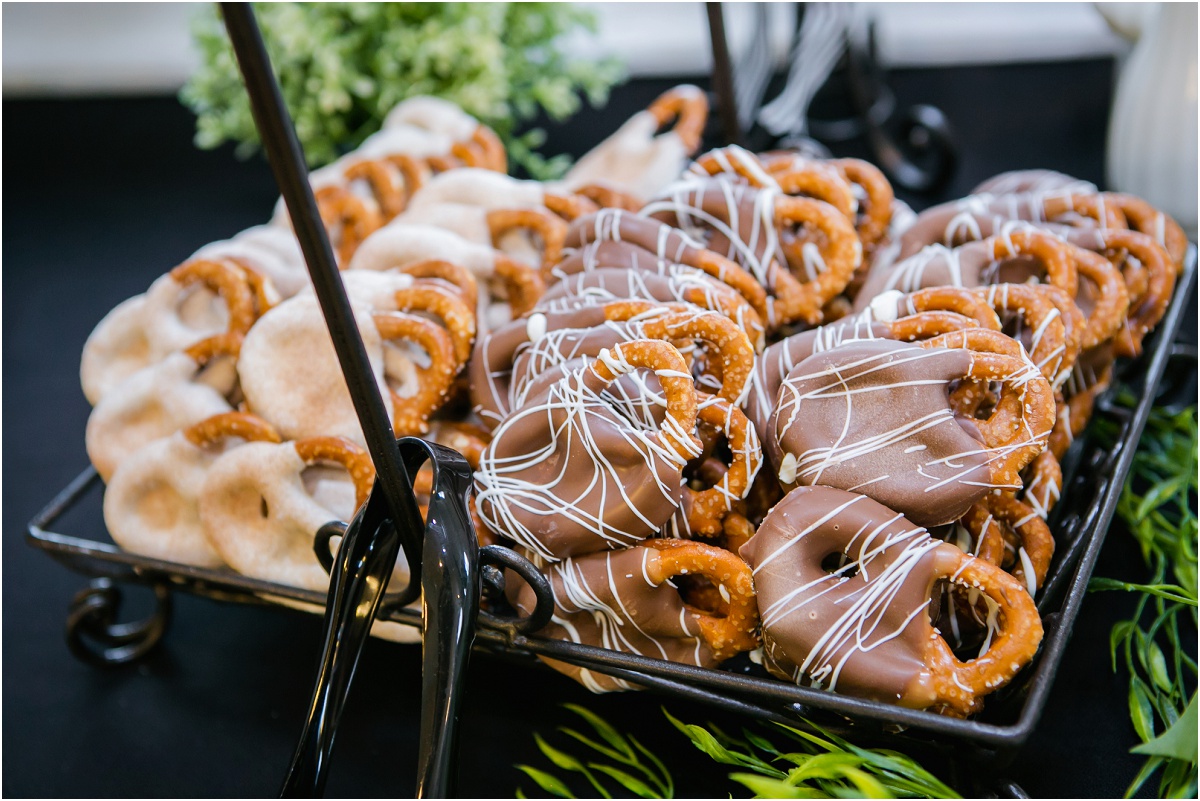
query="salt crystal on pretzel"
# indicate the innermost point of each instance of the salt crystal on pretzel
(844, 585)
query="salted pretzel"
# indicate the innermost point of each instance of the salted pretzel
(626, 601)
(454, 274)
(151, 500)
(568, 473)
(677, 283)
(411, 410)
(1043, 480)
(803, 251)
(1142, 217)
(612, 238)
(1102, 297)
(349, 218)
(508, 360)
(157, 401)
(876, 414)
(705, 510)
(1006, 258)
(1149, 276)
(448, 308)
(843, 585)
(270, 251)
(1026, 544)
(1038, 324)
(260, 510)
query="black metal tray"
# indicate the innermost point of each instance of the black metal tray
(1094, 471)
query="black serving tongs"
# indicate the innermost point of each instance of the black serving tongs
(442, 554)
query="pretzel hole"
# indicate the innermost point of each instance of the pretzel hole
(709, 469)
(701, 594)
(965, 617)
(1019, 269)
(201, 309)
(402, 360)
(838, 564)
(330, 487)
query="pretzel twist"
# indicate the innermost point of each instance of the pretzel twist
(343, 452)
(1051, 252)
(728, 635)
(443, 303)
(414, 172)
(607, 197)
(665, 361)
(707, 509)
(242, 425)
(1149, 288)
(204, 351)
(455, 274)
(928, 324)
(960, 685)
(1056, 206)
(341, 209)
(229, 282)
(390, 197)
(872, 221)
(569, 207)
(1049, 348)
(1043, 482)
(736, 162)
(1019, 522)
(1143, 217)
(1020, 423)
(688, 107)
(411, 412)
(730, 345)
(550, 229)
(523, 283)
(952, 299)
(819, 276)
(495, 157)
(1108, 313)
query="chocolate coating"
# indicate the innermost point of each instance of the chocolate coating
(874, 417)
(861, 629)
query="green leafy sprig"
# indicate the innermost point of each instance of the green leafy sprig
(1158, 506)
(822, 765)
(343, 66)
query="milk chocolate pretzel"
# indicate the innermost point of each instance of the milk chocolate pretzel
(569, 472)
(609, 197)
(802, 250)
(873, 209)
(1143, 217)
(843, 587)
(677, 284)
(626, 601)
(1039, 325)
(151, 500)
(907, 447)
(927, 313)
(1003, 258)
(1026, 545)
(612, 238)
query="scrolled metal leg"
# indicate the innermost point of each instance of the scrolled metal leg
(94, 636)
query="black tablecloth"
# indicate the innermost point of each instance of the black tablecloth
(105, 195)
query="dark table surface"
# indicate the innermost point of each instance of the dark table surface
(105, 195)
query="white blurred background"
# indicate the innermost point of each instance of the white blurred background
(132, 48)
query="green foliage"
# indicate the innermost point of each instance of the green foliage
(343, 66)
(1157, 504)
(822, 766)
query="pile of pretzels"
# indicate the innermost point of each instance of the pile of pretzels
(741, 403)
